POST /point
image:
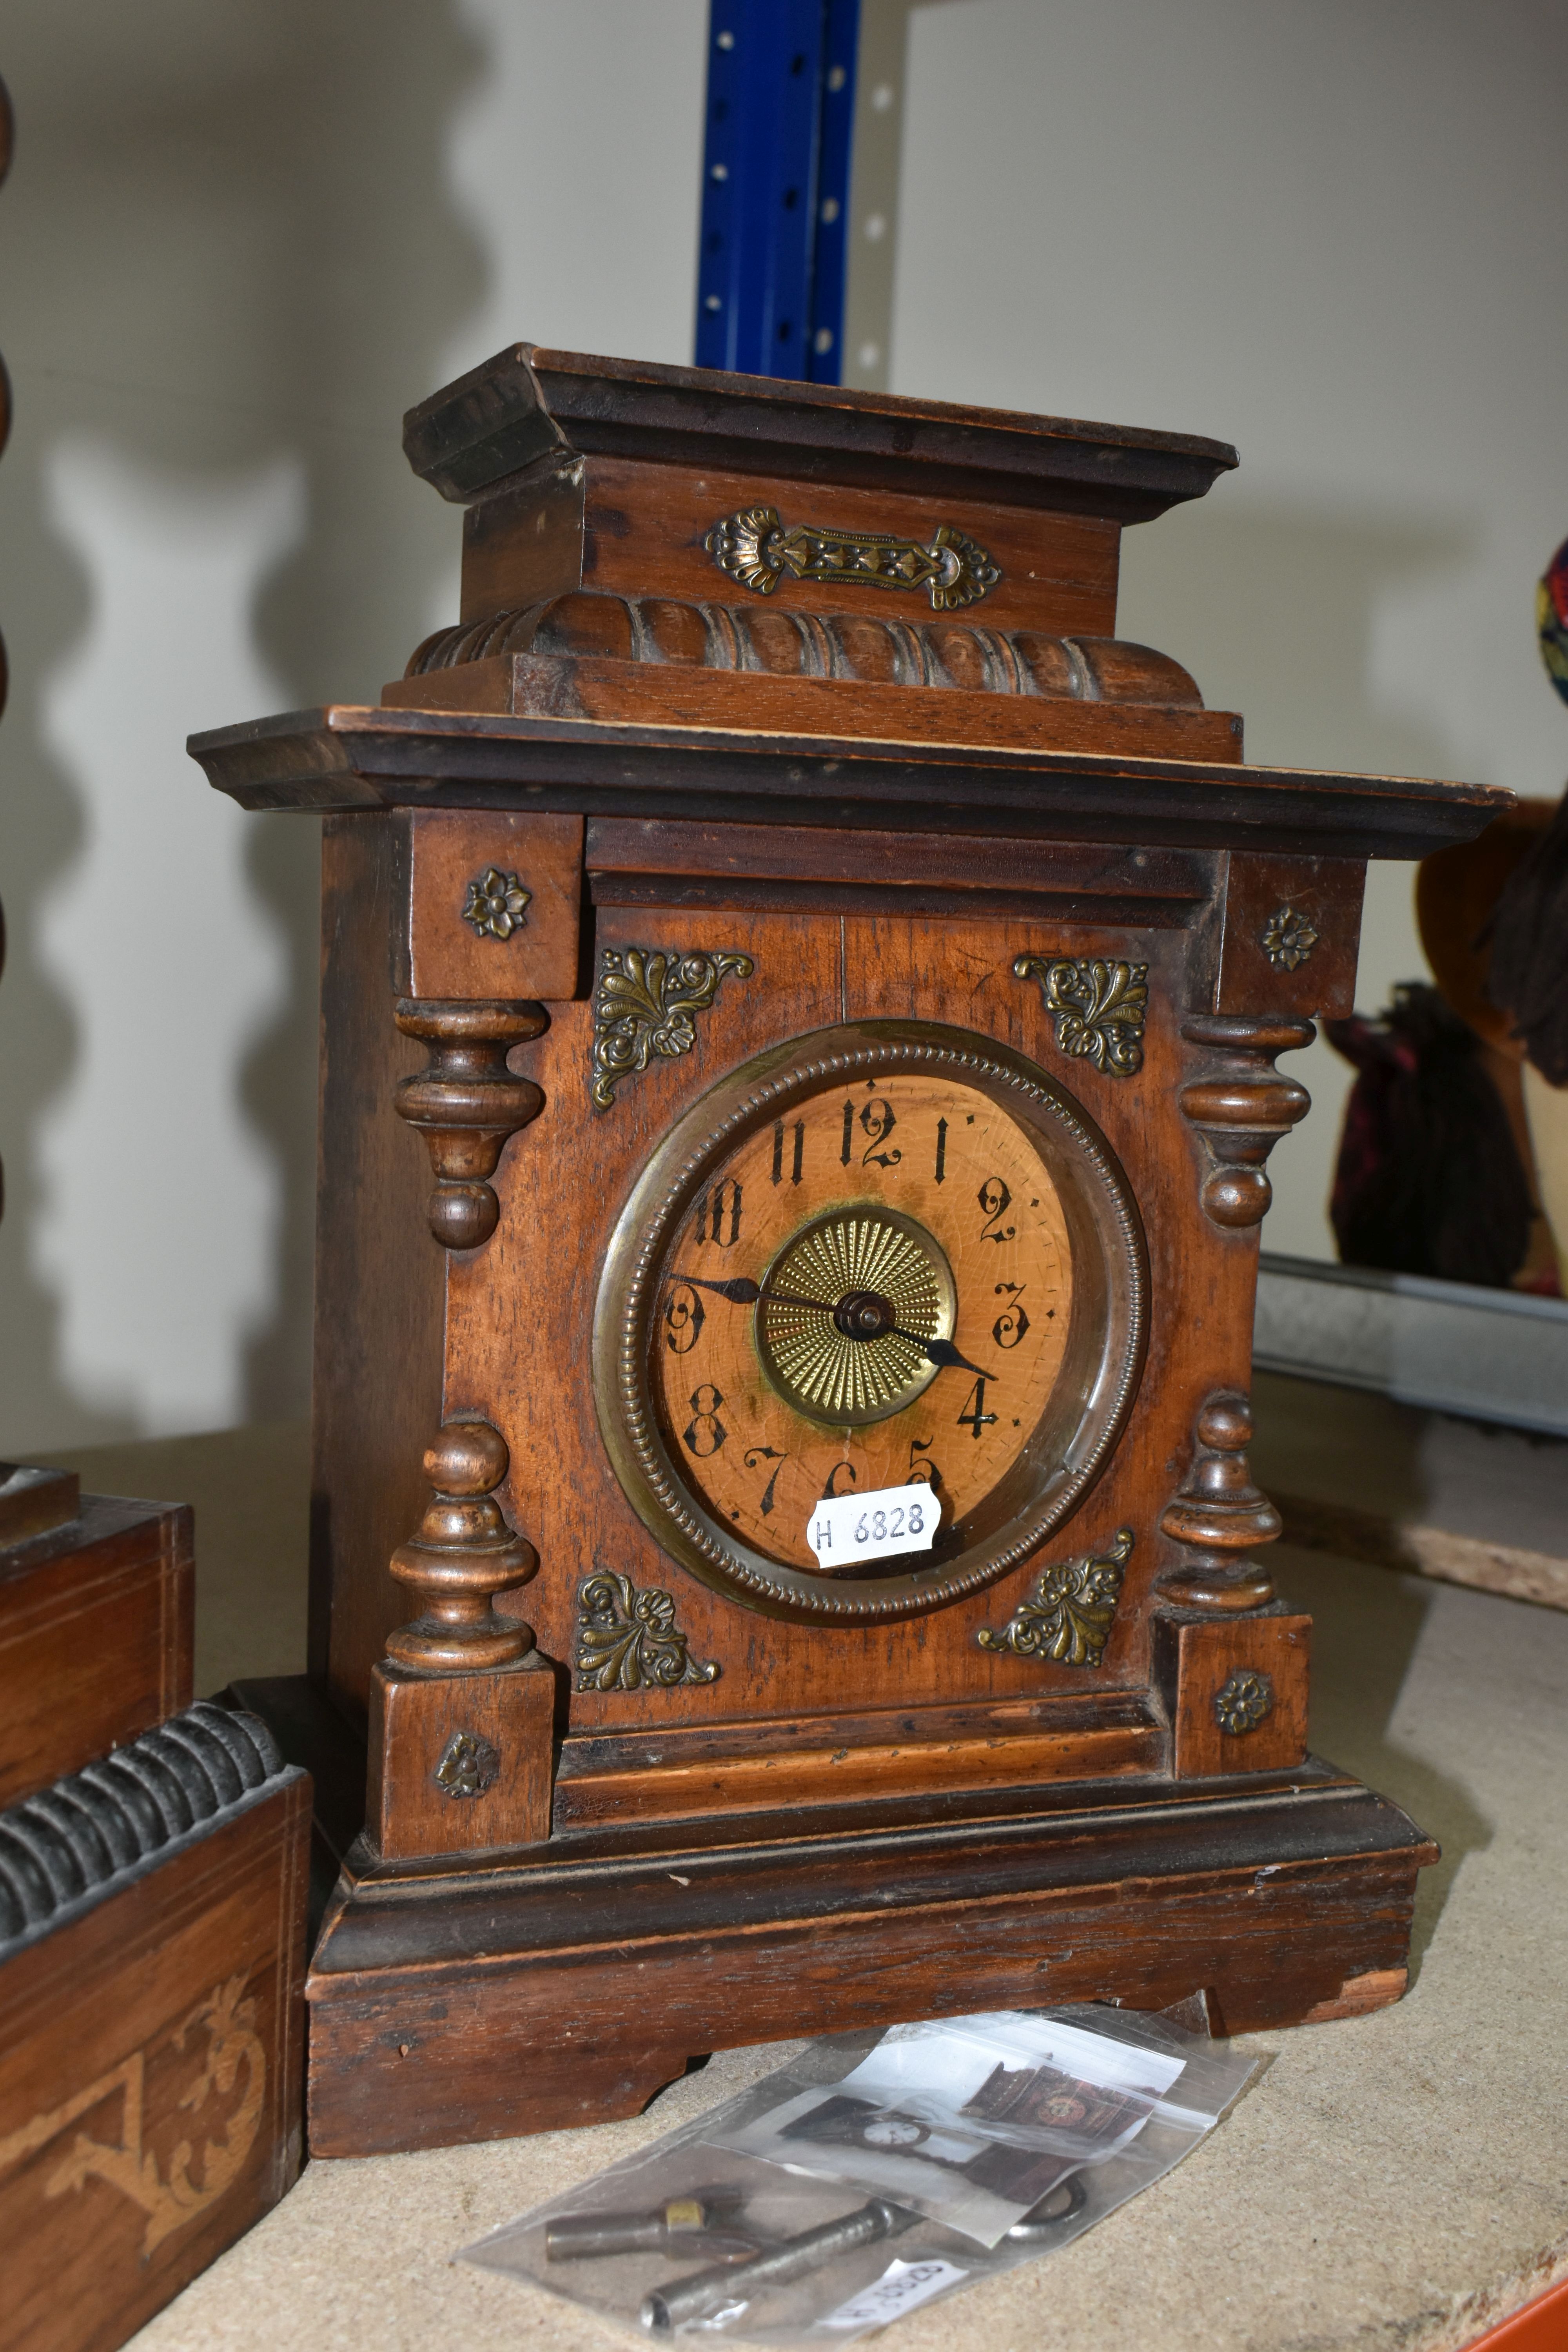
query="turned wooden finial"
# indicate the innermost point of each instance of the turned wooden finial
(1219, 1515)
(466, 1105)
(1241, 1106)
(463, 1554)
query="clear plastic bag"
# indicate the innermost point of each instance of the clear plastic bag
(700, 2235)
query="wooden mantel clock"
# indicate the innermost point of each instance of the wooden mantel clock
(836, 984)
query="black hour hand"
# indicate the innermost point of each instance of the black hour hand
(944, 1354)
(740, 1292)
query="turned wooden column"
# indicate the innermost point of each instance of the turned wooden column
(1219, 1515)
(462, 1708)
(467, 1103)
(463, 1554)
(1241, 1106)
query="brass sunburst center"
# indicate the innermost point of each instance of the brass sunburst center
(844, 1309)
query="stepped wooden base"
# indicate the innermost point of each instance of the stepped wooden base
(462, 2002)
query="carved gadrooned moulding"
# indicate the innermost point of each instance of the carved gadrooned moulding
(466, 1105)
(463, 1554)
(1241, 1106)
(871, 648)
(1219, 1515)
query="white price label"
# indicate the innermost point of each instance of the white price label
(902, 2286)
(849, 1528)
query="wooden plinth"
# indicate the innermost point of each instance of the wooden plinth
(460, 2002)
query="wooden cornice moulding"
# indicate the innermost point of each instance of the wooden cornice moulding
(533, 407)
(356, 756)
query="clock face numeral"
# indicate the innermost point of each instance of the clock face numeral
(705, 1434)
(941, 1175)
(921, 1464)
(683, 1318)
(718, 1214)
(995, 1199)
(796, 1155)
(1011, 1327)
(756, 1456)
(975, 1417)
(877, 1122)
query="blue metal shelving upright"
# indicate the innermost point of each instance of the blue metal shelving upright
(775, 186)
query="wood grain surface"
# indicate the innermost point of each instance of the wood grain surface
(379, 1281)
(97, 1624)
(438, 954)
(551, 686)
(645, 525)
(347, 756)
(598, 1982)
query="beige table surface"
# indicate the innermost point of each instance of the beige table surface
(1396, 2181)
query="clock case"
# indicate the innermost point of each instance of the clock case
(717, 756)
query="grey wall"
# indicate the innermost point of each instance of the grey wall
(1329, 232)
(238, 241)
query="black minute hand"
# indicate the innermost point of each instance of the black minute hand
(741, 1291)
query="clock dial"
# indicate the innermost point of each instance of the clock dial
(894, 1307)
(888, 1254)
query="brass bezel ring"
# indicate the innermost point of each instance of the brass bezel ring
(1107, 1340)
